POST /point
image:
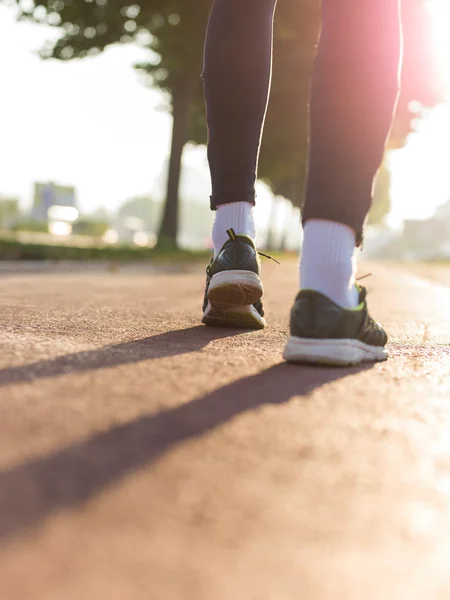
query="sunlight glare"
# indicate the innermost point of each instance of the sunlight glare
(440, 10)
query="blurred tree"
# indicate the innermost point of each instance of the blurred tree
(99, 214)
(144, 208)
(178, 41)
(29, 224)
(90, 227)
(195, 224)
(9, 211)
(173, 30)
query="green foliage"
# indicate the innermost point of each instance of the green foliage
(31, 225)
(90, 228)
(177, 43)
(15, 250)
(9, 211)
(173, 30)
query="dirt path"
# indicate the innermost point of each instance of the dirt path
(144, 456)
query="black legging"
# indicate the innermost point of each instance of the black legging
(354, 91)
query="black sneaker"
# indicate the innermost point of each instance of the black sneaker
(233, 286)
(324, 333)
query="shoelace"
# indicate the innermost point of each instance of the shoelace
(233, 237)
(268, 256)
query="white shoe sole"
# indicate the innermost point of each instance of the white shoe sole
(231, 296)
(340, 353)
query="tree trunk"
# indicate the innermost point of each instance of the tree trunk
(182, 97)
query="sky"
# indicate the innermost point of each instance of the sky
(92, 123)
(421, 173)
(89, 123)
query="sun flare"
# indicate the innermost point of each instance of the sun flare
(420, 170)
(440, 11)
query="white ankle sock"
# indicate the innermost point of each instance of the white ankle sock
(328, 262)
(236, 215)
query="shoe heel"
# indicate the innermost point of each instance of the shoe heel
(235, 288)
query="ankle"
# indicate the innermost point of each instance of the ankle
(328, 263)
(238, 216)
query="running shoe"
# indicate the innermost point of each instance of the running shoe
(324, 333)
(233, 286)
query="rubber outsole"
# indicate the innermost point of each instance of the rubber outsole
(233, 317)
(339, 353)
(231, 296)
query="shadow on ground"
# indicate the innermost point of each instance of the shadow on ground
(170, 343)
(31, 492)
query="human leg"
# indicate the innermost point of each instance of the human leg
(237, 73)
(354, 92)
